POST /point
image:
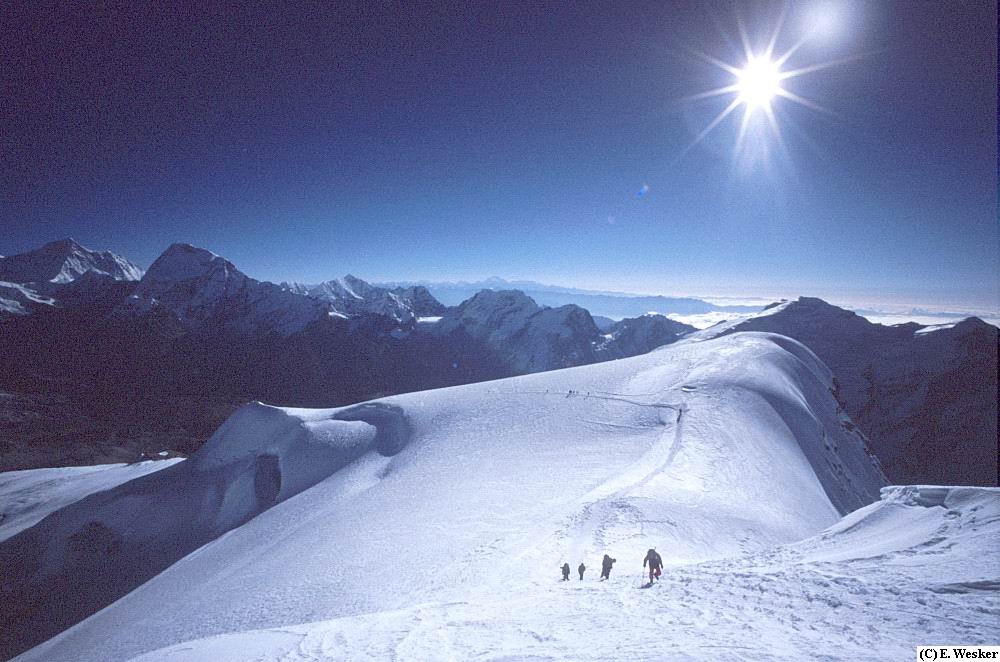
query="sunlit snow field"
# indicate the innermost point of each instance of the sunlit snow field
(439, 531)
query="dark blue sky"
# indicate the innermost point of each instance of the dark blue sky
(468, 140)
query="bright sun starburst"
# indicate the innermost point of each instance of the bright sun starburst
(758, 84)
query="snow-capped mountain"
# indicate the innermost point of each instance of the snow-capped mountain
(53, 274)
(616, 305)
(351, 297)
(926, 396)
(142, 367)
(534, 337)
(196, 325)
(705, 449)
(63, 261)
(203, 289)
(531, 337)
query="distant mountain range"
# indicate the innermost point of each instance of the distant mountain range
(103, 362)
(615, 305)
(159, 362)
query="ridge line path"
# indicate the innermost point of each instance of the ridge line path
(608, 502)
(600, 508)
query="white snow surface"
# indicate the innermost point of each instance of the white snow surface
(440, 536)
(28, 496)
(919, 566)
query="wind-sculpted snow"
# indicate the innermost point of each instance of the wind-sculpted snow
(487, 487)
(98, 548)
(393, 428)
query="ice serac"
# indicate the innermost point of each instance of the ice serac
(202, 289)
(703, 449)
(93, 551)
(926, 397)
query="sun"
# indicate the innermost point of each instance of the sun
(761, 84)
(758, 83)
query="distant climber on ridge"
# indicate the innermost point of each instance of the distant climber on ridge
(580, 570)
(565, 570)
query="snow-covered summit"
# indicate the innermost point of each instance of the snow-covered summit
(60, 273)
(64, 261)
(202, 288)
(351, 296)
(532, 337)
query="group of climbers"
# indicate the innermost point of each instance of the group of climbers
(652, 560)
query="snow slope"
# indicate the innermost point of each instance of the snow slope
(704, 449)
(28, 496)
(919, 566)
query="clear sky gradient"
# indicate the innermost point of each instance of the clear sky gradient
(459, 141)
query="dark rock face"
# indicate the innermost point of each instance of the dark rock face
(421, 300)
(926, 398)
(644, 334)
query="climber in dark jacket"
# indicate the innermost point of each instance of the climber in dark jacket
(655, 563)
(565, 569)
(606, 567)
(580, 570)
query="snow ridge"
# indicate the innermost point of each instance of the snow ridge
(707, 449)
